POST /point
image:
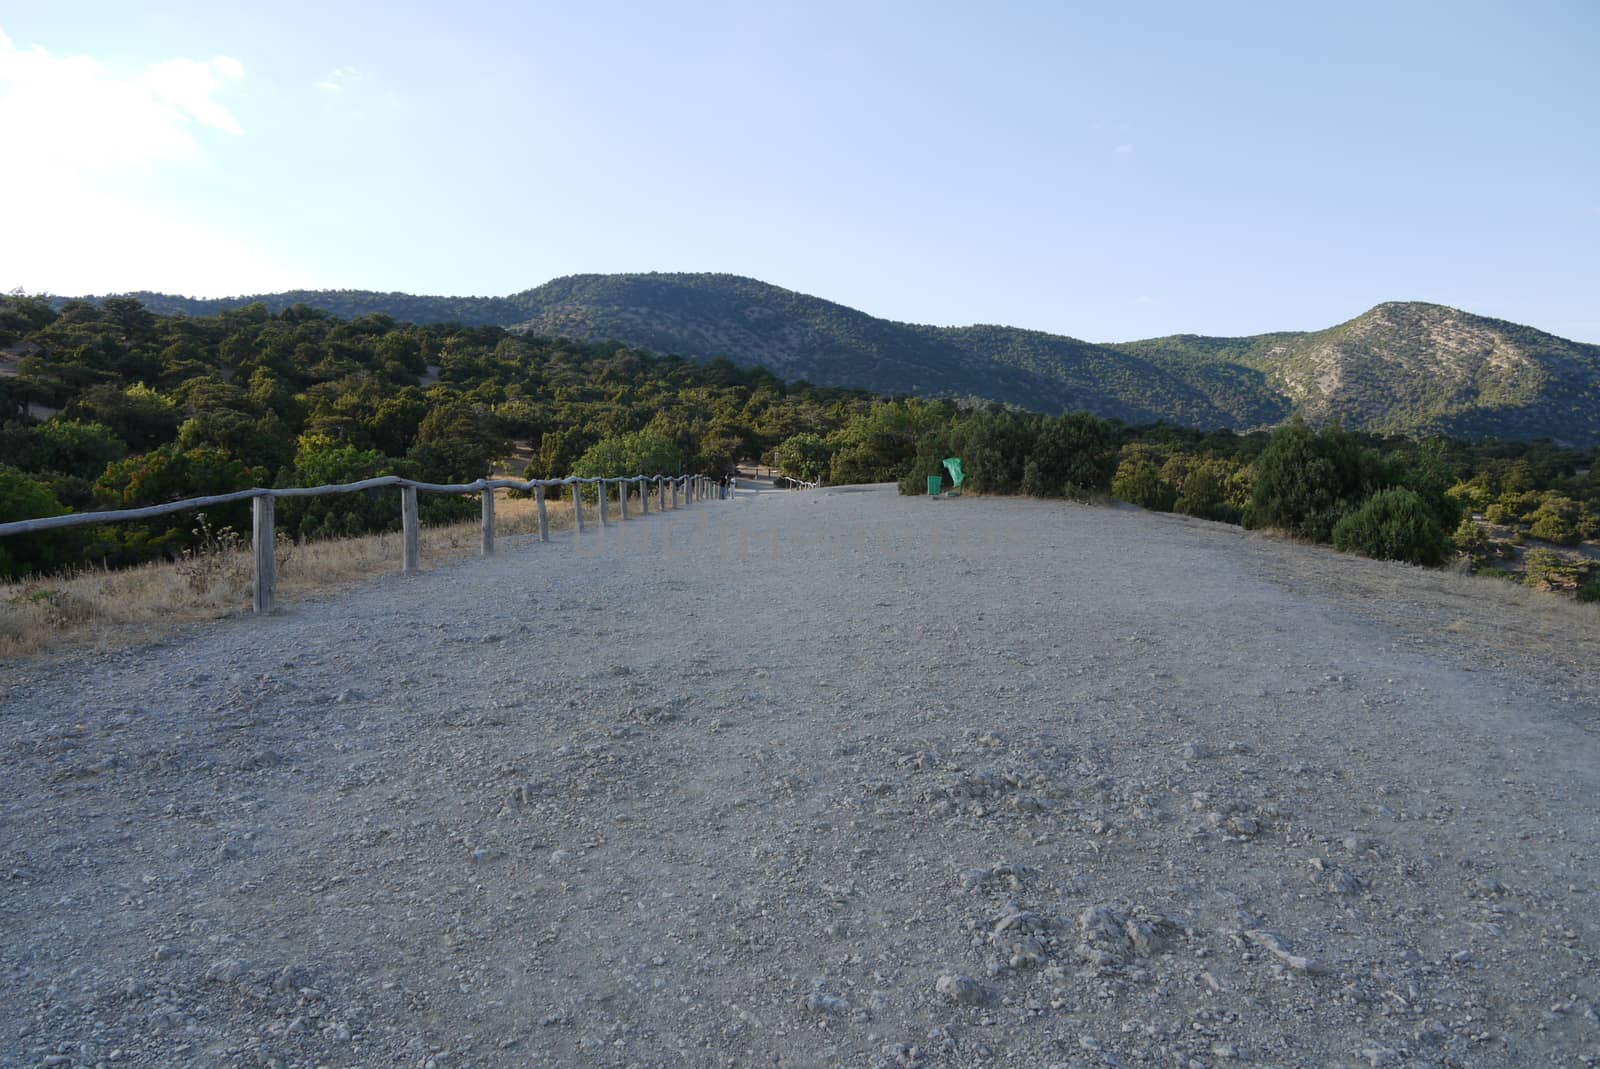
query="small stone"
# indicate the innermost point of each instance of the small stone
(1274, 944)
(1343, 883)
(965, 990)
(167, 952)
(822, 1004)
(1195, 750)
(226, 970)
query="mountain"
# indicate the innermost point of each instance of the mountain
(1402, 368)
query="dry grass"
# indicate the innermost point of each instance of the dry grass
(100, 609)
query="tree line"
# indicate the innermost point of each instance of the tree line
(106, 406)
(1384, 497)
(111, 406)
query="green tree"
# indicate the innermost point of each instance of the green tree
(25, 498)
(1073, 456)
(322, 461)
(1306, 480)
(803, 456)
(1394, 524)
(639, 453)
(1138, 481)
(170, 473)
(73, 447)
(1557, 519)
(136, 414)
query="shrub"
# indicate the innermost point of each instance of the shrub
(1306, 480)
(1557, 519)
(1549, 570)
(803, 456)
(1514, 507)
(322, 461)
(994, 448)
(75, 448)
(1431, 479)
(1469, 537)
(1590, 591)
(932, 448)
(1211, 490)
(1073, 456)
(1138, 481)
(24, 498)
(1392, 525)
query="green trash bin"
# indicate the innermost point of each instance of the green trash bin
(935, 484)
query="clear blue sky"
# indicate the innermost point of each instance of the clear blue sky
(1101, 170)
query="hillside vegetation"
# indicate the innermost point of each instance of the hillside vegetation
(1401, 368)
(141, 409)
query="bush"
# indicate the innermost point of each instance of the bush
(322, 461)
(1392, 525)
(1590, 591)
(1549, 570)
(803, 456)
(1469, 537)
(23, 498)
(994, 448)
(1557, 519)
(1073, 456)
(1138, 481)
(170, 474)
(1306, 480)
(932, 448)
(75, 448)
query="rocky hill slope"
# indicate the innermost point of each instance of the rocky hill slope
(1405, 368)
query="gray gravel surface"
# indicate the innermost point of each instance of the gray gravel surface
(829, 778)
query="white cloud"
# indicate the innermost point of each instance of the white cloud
(74, 112)
(79, 238)
(339, 79)
(81, 136)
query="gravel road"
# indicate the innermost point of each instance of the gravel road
(827, 778)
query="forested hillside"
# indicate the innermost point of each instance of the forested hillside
(110, 406)
(1402, 368)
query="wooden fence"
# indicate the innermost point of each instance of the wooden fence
(692, 488)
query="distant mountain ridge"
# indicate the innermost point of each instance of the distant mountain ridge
(1402, 368)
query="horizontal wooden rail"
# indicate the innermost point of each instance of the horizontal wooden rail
(693, 487)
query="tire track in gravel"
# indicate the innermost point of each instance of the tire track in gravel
(821, 778)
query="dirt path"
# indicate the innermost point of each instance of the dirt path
(831, 778)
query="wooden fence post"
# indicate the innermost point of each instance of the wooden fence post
(577, 505)
(644, 495)
(603, 490)
(262, 536)
(622, 496)
(486, 543)
(408, 527)
(544, 517)
(674, 483)
(661, 493)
